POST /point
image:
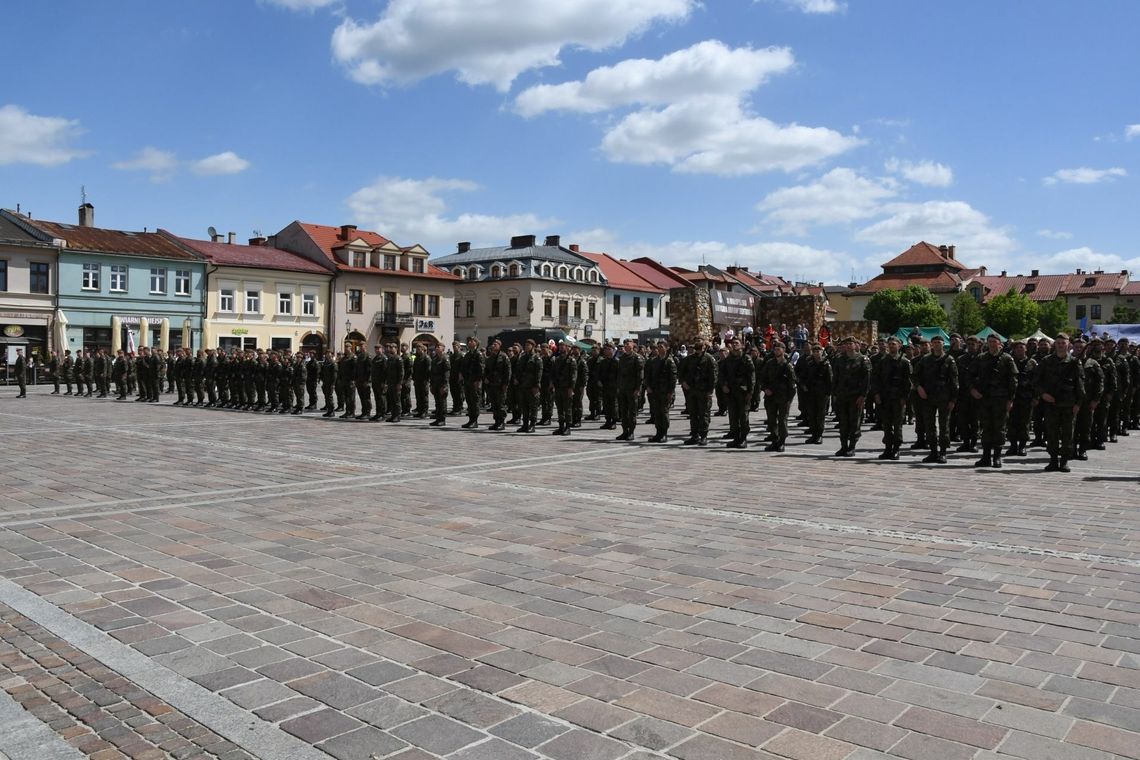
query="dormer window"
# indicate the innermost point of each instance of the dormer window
(562, 273)
(389, 261)
(547, 270)
(359, 259)
(417, 264)
(496, 272)
(579, 275)
(593, 275)
(1029, 287)
(1089, 282)
(515, 270)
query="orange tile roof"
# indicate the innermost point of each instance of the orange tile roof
(936, 282)
(255, 256)
(923, 254)
(1042, 288)
(618, 275)
(1131, 289)
(328, 239)
(657, 273)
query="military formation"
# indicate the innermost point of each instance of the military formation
(1070, 397)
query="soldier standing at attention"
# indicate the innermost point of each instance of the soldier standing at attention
(852, 383)
(379, 370)
(630, 375)
(1089, 357)
(346, 376)
(394, 382)
(53, 367)
(119, 375)
(660, 385)
(816, 382)
(778, 382)
(593, 387)
(1109, 390)
(700, 381)
(20, 370)
(607, 378)
(579, 387)
(300, 379)
(68, 370)
(285, 384)
(994, 379)
(406, 384)
(421, 374)
(967, 407)
(1022, 409)
(936, 382)
(547, 391)
(471, 376)
(1060, 390)
(563, 375)
(737, 376)
(99, 370)
(454, 382)
(197, 374)
(363, 380)
(528, 381)
(312, 378)
(329, 383)
(498, 376)
(721, 396)
(439, 379)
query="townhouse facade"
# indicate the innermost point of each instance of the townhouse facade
(633, 305)
(379, 291)
(258, 297)
(525, 285)
(28, 269)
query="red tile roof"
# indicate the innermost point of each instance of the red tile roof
(923, 254)
(1131, 289)
(255, 256)
(119, 242)
(936, 282)
(1086, 283)
(764, 283)
(619, 275)
(1043, 288)
(657, 273)
(328, 239)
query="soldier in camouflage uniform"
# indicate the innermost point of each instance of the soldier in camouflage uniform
(439, 379)
(700, 381)
(852, 384)
(1089, 357)
(994, 385)
(630, 376)
(528, 380)
(1021, 412)
(497, 374)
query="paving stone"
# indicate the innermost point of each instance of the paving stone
(528, 730)
(364, 742)
(577, 744)
(437, 734)
(320, 725)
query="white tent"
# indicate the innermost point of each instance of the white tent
(1038, 335)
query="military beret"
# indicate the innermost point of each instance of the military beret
(938, 338)
(956, 335)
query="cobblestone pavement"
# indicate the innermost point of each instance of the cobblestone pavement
(214, 584)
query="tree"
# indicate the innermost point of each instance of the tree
(1012, 314)
(1053, 316)
(965, 315)
(914, 306)
(1123, 315)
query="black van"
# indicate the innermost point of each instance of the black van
(539, 335)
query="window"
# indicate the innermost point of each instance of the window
(359, 259)
(284, 303)
(3, 276)
(593, 312)
(547, 307)
(457, 308)
(512, 307)
(562, 273)
(181, 282)
(494, 307)
(1081, 311)
(617, 304)
(253, 302)
(515, 270)
(563, 311)
(355, 301)
(578, 309)
(649, 307)
(433, 306)
(91, 276)
(118, 278)
(39, 275)
(579, 275)
(547, 270)
(460, 272)
(1089, 282)
(666, 309)
(1095, 314)
(389, 261)
(470, 308)
(281, 344)
(417, 265)
(419, 304)
(390, 302)
(593, 275)
(308, 304)
(158, 281)
(637, 306)
(225, 299)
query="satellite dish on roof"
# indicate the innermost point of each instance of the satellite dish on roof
(213, 233)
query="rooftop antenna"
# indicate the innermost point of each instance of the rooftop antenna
(83, 195)
(212, 232)
(257, 233)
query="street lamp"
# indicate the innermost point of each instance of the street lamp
(187, 336)
(347, 330)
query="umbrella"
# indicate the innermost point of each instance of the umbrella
(130, 341)
(60, 330)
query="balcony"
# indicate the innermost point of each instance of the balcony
(397, 318)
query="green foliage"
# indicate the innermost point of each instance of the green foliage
(1053, 316)
(1123, 315)
(966, 315)
(911, 307)
(1012, 314)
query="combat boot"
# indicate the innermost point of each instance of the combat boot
(842, 448)
(986, 460)
(1081, 455)
(932, 457)
(1053, 465)
(996, 464)
(690, 441)
(941, 455)
(1012, 450)
(1064, 466)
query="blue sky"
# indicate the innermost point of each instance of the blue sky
(811, 138)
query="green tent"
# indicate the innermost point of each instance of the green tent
(904, 333)
(986, 332)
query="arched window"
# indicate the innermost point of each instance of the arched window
(459, 272)
(562, 273)
(515, 270)
(579, 274)
(593, 275)
(547, 270)
(496, 272)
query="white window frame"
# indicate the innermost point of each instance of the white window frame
(284, 299)
(158, 277)
(308, 304)
(91, 276)
(119, 274)
(182, 277)
(224, 295)
(252, 301)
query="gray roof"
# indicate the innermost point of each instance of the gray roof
(506, 253)
(13, 232)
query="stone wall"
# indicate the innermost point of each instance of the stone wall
(792, 311)
(865, 330)
(690, 315)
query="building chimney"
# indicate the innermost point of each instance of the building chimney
(1035, 273)
(1079, 272)
(1003, 273)
(553, 240)
(231, 237)
(950, 248)
(944, 251)
(346, 231)
(522, 241)
(86, 215)
(257, 241)
(575, 247)
(463, 247)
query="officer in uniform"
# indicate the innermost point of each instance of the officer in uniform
(300, 381)
(20, 370)
(456, 385)
(346, 375)
(994, 384)
(528, 381)
(580, 384)
(1021, 412)
(471, 376)
(421, 374)
(1089, 357)
(630, 375)
(967, 406)
(563, 376)
(394, 382)
(498, 377)
(547, 392)
(660, 385)
(593, 387)
(736, 377)
(363, 380)
(197, 375)
(778, 383)
(53, 368)
(312, 378)
(285, 384)
(439, 380)
(936, 383)
(816, 382)
(68, 370)
(607, 379)
(1060, 391)
(852, 383)
(1109, 392)
(701, 382)
(328, 382)
(407, 360)
(379, 369)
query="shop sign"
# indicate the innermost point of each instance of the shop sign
(239, 331)
(134, 321)
(14, 331)
(425, 325)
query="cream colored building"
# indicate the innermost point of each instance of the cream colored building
(257, 297)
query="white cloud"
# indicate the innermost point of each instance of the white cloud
(1085, 176)
(838, 197)
(785, 259)
(817, 6)
(410, 210)
(1054, 234)
(487, 41)
(922, 173)
(707, 68)
(226, 162)
(300, 5)
(160, 163)
(950, 222)
(1087, 259)
(1131, 131)
(42, 140)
